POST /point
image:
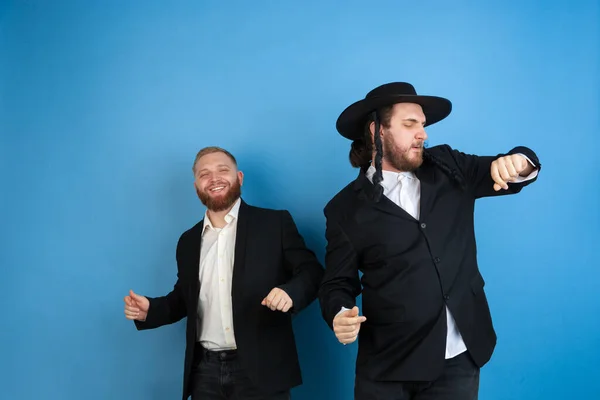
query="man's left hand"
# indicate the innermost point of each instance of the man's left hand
(506, 169)
(278, 299)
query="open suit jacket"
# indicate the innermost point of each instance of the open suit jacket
(269, 252)
(412, 268)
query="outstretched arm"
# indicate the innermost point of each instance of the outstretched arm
(164, 310)
(497, 175)
(167, 309)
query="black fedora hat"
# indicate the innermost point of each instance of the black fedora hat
(350, 123)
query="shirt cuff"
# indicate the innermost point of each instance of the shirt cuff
(529, 177)
(341, 311)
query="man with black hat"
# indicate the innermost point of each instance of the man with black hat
(407, 224)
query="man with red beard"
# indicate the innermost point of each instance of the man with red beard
(242, 272)
(406, 223)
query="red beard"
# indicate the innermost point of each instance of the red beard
(221, 202)
(401, 158)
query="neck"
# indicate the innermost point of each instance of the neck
(217, 218)
(385, 166)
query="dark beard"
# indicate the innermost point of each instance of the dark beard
(221, 203)
(398, 158)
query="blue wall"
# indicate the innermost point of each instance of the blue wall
(104, 106)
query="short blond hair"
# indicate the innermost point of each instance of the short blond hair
(211, 150)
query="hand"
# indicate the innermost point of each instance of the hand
(278, 299)
(136, 306)
(506, 169)
(346, 325)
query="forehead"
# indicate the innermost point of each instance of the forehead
(214, 160)
(408, 111)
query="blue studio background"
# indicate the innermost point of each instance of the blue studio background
(105, 104)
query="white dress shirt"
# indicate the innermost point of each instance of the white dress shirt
(215, 315)
(404, 189)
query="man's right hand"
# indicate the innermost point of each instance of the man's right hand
(346, 325)
(136, 306)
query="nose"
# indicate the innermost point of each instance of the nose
(421, 135)
(215, 179)
(212, 178)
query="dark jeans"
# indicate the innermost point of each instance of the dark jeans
(218, 375)
(459, 381)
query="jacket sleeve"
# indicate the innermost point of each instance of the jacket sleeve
(476, 171)
(166, 309)
(301, 262)
(341, 282)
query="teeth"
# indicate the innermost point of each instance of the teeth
(217, 188)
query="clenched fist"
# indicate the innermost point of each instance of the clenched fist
(346, 325)
(278, 299)
(508, 168)
(136, 306)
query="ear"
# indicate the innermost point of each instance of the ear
(372, 129)
(240, 176)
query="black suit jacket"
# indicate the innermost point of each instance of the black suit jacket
(269, 252)
(411, 268)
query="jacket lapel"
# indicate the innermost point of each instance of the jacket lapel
(366, 191)
(195, 262)
(240, 250)
(426, 176)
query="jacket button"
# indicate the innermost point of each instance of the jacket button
(437, 260)
(446, 297)
(423, 225)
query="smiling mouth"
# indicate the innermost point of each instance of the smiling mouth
(216, 189)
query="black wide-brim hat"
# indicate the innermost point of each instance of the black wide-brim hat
(351, 122)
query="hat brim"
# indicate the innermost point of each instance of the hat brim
(351, 121)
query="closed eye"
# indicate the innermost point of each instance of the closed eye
(408, 122)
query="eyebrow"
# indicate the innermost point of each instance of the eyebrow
(218, 166)
(413, 120)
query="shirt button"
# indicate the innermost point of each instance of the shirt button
(423, 225)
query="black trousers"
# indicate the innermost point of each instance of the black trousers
(218, 375)
(459, 381)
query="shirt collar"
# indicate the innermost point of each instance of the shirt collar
(231, 216)
(390, 178)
